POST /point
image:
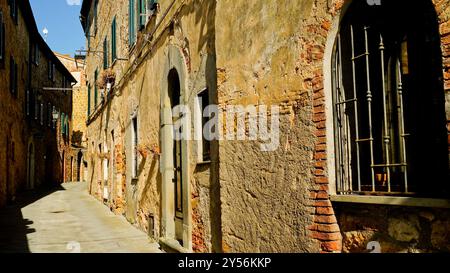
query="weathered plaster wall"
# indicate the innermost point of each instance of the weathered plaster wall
(268, 199)
(137, 92)
(281, 60)
(266, 53)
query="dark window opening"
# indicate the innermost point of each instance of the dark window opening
(135, 144)
(2, 40)
(389, 104)
(13, 79)
(206, 144)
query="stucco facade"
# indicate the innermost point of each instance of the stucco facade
(242, 199)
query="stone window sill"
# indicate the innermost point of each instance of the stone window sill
(392, 201)
(206, 162)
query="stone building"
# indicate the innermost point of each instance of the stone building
(33, 143)
(363, 94)
(75, 160)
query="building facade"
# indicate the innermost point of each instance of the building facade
(76, 170)
(33, 141)
(360, 129)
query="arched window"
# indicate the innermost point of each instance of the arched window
(389, 104)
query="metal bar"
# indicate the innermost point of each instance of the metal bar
(402, 122)
(364, 140)
(389, 165)
(386, 138)
(339, 122)
(359, 56)
(369, 104)
(348, 184)
(356, 110)
(346, 101)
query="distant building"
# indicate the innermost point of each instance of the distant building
(363, 91)
(36, 105)
(76, 169)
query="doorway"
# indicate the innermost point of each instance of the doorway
(174, 166)
(79, 160)
(174, 96)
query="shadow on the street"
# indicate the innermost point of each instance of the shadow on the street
(13, 227)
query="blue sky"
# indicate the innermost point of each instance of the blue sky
(61, 18)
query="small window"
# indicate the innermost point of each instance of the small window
(89, 100)
(41, 110)
(2, 39)
(142, 13)
(28, 102)
(14, 11)
(204, 149)
(49, 114)
(51, 70)
(13, 79)
(131, 22)
(36, 109)
(63, 120)
(113, 41)
(95, 17)
(88, 34)
(135, 143)
(35, 54)
(389, 103)
(105, 54)
(54, 71)
(95, 88)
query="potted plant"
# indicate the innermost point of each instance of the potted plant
(106, 80)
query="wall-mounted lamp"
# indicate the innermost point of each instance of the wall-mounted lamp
(55, 114)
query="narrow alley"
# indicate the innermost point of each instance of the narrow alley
(67, 220)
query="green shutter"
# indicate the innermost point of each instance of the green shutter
(67, 125)
(113, 41)
(62, 123)
(95, 89)
(132, 22)
(105, 54)
(142, 11)
(89, 100)
(95, 16)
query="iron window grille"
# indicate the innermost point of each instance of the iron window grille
(389, 114)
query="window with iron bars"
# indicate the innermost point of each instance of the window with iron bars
(389, 103)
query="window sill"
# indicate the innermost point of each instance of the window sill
(392, 201)
(206, 162)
